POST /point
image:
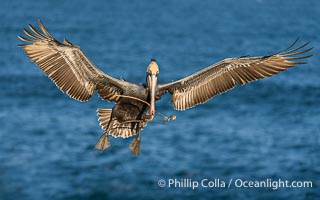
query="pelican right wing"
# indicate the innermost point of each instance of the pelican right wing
(225, 75)
(68, 67)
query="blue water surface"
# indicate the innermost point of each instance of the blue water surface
(268, 129)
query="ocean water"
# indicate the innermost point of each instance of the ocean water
(268, 129)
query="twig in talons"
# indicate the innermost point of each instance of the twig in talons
(171, 117)
(135, 146)
(166, 118)
(133, 121)
(130, 97)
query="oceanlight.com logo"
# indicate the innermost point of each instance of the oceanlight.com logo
(236, 183)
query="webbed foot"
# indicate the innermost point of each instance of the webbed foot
(103, 142)
(135, 146)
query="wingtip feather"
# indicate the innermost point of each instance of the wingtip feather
(43, 28)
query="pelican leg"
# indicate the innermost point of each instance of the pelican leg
(135, 145)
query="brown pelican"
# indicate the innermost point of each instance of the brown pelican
(70, 69)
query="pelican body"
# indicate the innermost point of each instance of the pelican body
(74, 74)
(129, 115)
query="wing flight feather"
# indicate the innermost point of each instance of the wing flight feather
(68, 67)
(226, 74)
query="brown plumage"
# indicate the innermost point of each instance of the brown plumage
(225, 75)
(70, 69)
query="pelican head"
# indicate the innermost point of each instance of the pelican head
(152, 83)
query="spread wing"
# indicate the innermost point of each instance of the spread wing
(225, 75)
(68, 67)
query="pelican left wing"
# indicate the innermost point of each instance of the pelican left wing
(225, 75)
(68, 67)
